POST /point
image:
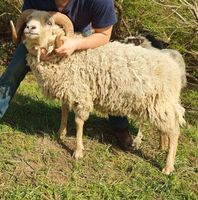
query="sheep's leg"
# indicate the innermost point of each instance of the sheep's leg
(173, 142)
(78, 153)
(138, 139)
(64, 117)
(164, 141)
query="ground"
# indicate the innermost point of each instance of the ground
(34, 164)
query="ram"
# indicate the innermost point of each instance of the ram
(118, 79)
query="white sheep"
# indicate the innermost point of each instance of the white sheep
(151, 42)
(118, 79)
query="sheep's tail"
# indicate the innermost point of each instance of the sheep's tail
(179, 114)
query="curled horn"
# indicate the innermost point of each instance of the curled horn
(13, 31)
(18, 31)
(64, 21)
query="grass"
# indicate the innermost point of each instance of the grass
(35, 165)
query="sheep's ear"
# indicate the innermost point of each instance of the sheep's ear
(58, 42)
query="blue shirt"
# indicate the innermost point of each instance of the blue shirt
(83, 13)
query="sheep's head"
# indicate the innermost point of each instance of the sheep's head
(37, 24)
(33, 23)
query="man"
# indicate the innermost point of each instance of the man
(98, 14)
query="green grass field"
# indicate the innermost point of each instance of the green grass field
(34, 164)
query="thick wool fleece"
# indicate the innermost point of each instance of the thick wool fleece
(176, 55)
(117, 79)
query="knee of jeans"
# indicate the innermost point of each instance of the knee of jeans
(18, 66)
(14, 75)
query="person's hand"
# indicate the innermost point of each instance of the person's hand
(68, 47)
(44, 55)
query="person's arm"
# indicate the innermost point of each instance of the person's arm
(100, 37)
(102, 21)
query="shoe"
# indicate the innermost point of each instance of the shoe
(124, 139)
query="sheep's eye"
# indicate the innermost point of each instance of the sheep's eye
(49, 23)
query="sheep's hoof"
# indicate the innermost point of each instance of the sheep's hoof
(78, 154)
(62, 133)
(167, 170)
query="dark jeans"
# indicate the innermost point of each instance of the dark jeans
(15, 73)
(11, 78)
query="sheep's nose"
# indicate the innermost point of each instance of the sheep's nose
(32, 27)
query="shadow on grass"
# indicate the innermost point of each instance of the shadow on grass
(38, 117)
(33, 116)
